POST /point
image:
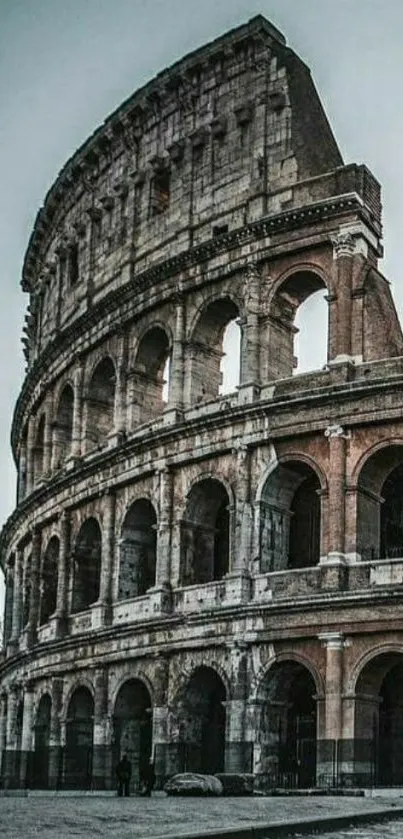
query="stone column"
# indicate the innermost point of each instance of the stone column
(35, 586)
(22, 472)
(17, 602)
(8, 602)
(61, 616)
(251, 365)
(76, 446)
(103, 613)
(30, 455)
(101, 762)
(27, 737)
(334, 644)
(336, 497)
(238, 586)
(48, 440)
(237, 754)
(120, 419)
(160, 737)
(55, 747)
(166, 479)
(344, 248)
(3, 731)
(176, 391)
(10, 756)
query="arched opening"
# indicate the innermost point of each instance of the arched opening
(287, 322)
(380, 505)
(132, 727)
(150, 383)
(63, 431)
(290, 518)
(286, 736)
(138, 546)
(311, 319)
(230, 367)
(39, 450)
(40, 773)
(201, 719)
(87, 566)
(49, 580)
(378, 728)
(206, 364)
(100, 404)
(205, 542)
(79, 740)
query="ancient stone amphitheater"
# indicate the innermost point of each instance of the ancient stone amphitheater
(211, 579)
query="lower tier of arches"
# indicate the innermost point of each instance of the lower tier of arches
(311, 714)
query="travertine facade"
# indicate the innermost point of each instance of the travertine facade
(210, 579)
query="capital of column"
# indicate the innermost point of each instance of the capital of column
(344, 244)
(332, 640)
(337, 430)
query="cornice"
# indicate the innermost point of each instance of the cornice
(272, 225)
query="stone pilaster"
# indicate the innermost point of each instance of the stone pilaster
(120, 418)
(3, 730)
(102, 610)
(60, 616)
(336, 500)
(101, 764)
(238, 584)
(334, 644)
(55, 746)
(160, 737)
(10, 755)
(27, 736)
(237, 751)
(77, 412)
(22, 472)
(48, 440)
(35, 586)
(250, 366)
(30, 455)
(176, 392)
(344, 250)
(17, 602)
(8, 601)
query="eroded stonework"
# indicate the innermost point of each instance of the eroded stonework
(211, 580)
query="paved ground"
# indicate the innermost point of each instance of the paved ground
(60, 817)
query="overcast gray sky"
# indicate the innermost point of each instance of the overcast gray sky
(65, 64)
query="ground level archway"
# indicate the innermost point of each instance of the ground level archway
(132, 728)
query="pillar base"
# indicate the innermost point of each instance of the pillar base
(72, 462)
(160, 599)
(238, 588)
(334, 572)
(101, 615)
(172, 415)
(12, 648)
(116, 438)
(60, 626)
(248, 392)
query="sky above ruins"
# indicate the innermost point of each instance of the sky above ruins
(66, 64)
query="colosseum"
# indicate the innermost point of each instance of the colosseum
(208, 579)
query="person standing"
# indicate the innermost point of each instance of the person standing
(123, 775)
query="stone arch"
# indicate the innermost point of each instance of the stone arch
(131, 670)
(199, 722)
(290, 517)
(378, 715)
(292, 289)
(80, 681)
(40, 773)
(87, 565)
(39, 449)
(132, 727)
(49, 575)
(149, 389)
(205, 533)
(186, 673)
(100, 402)
(287, 722)
(257, 687)
(63, 425)
(379, 493)
(78, 756)
(205, 348)
(137, 549)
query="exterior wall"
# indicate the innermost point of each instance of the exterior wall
(190, 207)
